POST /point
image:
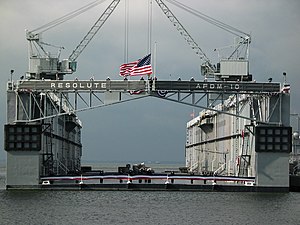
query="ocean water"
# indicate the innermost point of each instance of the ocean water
(142, 207)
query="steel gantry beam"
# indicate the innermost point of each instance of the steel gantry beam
(134, 85)
(71, 96)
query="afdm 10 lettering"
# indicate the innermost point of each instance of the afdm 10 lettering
(212, 86)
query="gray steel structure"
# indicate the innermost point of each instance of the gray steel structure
(77, 95)
(43, 133)
(126, 85)
(256, 142)
(52, 105)
(48, 146)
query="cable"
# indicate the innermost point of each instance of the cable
(126, 31)
(209, 19)
(68, 16)
(150, 12)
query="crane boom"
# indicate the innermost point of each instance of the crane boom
(207, 66)
(93, 31)
(241, 42)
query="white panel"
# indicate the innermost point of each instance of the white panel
(231, 67)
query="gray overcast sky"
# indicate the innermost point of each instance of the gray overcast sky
(150, 129)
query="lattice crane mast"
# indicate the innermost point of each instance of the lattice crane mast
(42, 64)
(207, 67)
(233, 67)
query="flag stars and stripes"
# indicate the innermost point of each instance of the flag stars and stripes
(137, 68)
(126, 68)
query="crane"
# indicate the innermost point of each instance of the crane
(43, 64)
(207, 67)
(233, 67)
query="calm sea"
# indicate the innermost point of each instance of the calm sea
(137, 207)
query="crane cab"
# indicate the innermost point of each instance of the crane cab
(233, 70)
(49, 68)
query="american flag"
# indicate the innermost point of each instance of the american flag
(126, 68)
(137, 68)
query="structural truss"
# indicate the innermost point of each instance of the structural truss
(71, 96)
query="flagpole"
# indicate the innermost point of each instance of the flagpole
(154, 64)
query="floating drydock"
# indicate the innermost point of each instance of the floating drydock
(240, 141)
(246, 135)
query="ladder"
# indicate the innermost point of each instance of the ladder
(245, 158)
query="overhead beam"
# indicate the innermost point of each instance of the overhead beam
(82, 92)
(217, 87)
(147, 85)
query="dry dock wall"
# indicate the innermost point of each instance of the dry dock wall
(35, 144)
(223, 144)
